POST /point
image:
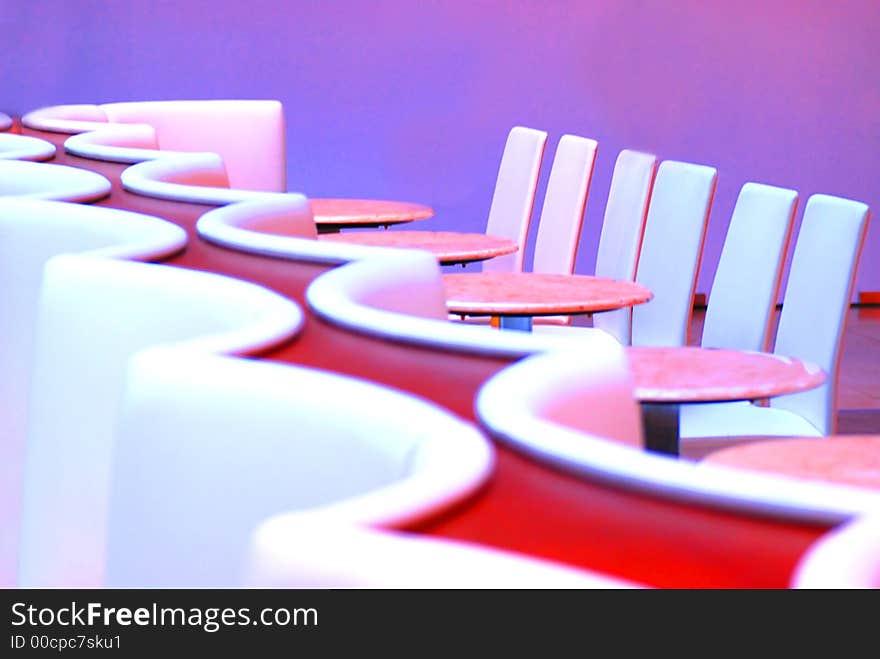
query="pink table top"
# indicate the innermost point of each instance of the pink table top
(693, 375)
(447, 246)
(366, 212)
(845, 459)
(534, 294)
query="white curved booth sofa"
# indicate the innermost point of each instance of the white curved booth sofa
(94, 316)
(210, 447)
(846, 557)
(585, 421)
(201, 178)
(31, 233)
(249, 135)
(36, 180)
(308, 551)
(22, 147)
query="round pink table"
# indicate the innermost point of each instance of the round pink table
(664, 378)
(844, 459)
(515, 297)
(334, 214)
(449, 247)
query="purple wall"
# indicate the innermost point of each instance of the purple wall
(413, 100)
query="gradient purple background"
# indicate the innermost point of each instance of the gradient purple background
(413, 100)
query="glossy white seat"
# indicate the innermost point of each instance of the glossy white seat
(310, 552)
(36, 180)
(846, 557)
(22, 147)
(210, 447)
(5, 121)
(93, 316)
(32, 232)
(811, 325)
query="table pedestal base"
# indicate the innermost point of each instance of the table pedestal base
(520, 323)
(661, 427)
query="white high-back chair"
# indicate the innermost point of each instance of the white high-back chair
(671, 252)
(32, 232)
(248, 134)
(746, 285)
(314, 553)
(562, 217)
(514, 195)
(846, 557)
(209, 447)
(622, 230)
(93, 315)
(811, 325)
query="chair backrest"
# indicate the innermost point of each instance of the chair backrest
(846, 557)
(622, 231)
(209, 447)
(93, 315)
(562, 216)
(5, 121)
(820, 285)
(514, 195)
(31, 232)
(671, 251)
(248, 134)
(37, 180)
(746, 285)
(310, 553)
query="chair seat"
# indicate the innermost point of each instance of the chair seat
(741, 419)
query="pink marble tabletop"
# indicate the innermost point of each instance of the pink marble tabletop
(447, 246)
(367, 212)
(846, 459)
(535, 294)
(690, 375)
